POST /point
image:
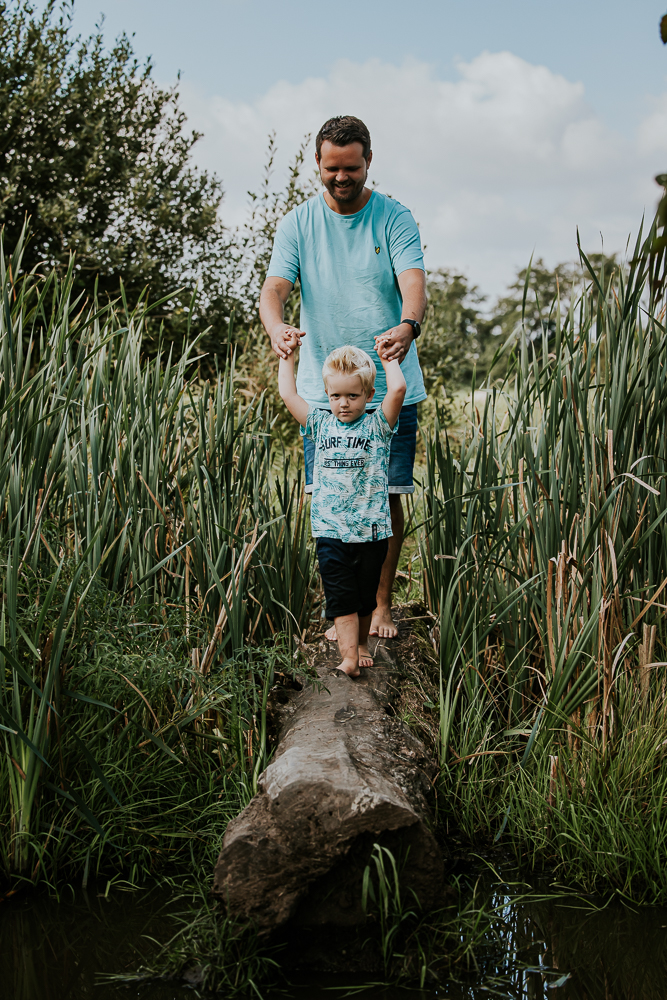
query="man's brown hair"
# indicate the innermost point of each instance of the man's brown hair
(343, 130)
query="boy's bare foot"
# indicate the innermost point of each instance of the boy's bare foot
(382, 624)
(349, 667)
(365, 658)
(330, 634)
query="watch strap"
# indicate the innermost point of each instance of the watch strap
(416, 327)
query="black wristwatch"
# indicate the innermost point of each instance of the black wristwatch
(416, 327)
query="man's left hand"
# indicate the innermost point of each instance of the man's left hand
(396, 342)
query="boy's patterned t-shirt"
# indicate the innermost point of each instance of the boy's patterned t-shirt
(350, 476)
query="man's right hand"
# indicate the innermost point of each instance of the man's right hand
(285, 339)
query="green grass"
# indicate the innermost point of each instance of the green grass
(464, 940)
(154, 568)
(211, 951)
(544, 557)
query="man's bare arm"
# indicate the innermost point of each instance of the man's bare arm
(412, 284)
(274, 295)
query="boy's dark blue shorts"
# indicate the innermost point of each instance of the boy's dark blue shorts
(401, 453)
(350, 573)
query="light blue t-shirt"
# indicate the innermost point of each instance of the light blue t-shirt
(350, 481)
(347, 267)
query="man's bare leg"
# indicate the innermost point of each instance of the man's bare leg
(382, 623)
(347, 629)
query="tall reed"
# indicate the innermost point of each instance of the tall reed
(134, 482)
(544, 554)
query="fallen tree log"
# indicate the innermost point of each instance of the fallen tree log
(346, 775)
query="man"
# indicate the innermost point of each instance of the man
(357, 256)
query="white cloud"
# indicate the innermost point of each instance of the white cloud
(505, 160)
(652, 133)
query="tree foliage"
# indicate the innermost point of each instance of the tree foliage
(461, 336)
(453, 327)
(658, 246)
(528, 303)
(99, 158)
(267, 208)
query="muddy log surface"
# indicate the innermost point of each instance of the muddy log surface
(346, 774)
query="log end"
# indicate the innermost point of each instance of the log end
(346, 776)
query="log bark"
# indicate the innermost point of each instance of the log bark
(346, 775)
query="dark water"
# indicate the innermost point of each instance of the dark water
(52, 950)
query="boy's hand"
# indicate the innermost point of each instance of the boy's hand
(397, 342)
(292, 340)
(285, 339)
(381, 347)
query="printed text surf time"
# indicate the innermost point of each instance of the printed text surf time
(341, 441)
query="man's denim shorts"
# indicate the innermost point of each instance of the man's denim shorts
(401, 454)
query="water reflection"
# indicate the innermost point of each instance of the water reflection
(566, 947)
(55, 951)
(612, 954)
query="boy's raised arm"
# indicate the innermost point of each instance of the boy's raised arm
(297, 406)
(393, 401)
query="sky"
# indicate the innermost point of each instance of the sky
(503, 126)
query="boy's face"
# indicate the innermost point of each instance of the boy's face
(347, 398)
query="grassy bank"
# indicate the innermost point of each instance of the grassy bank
(545, 563)
(156, 567)
(154, 570)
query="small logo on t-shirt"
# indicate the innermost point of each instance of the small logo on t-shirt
(377, 249)
(375, 532)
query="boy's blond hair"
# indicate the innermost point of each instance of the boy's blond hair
(350, 360)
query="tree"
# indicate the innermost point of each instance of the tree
(450, 346)
(531, 299)
(658, 246)
(99, 159)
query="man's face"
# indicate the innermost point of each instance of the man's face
(343, 170)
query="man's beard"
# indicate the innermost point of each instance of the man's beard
(348, 193)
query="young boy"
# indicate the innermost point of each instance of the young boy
(350, 506)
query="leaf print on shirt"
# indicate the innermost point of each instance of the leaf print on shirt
(350, 491)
